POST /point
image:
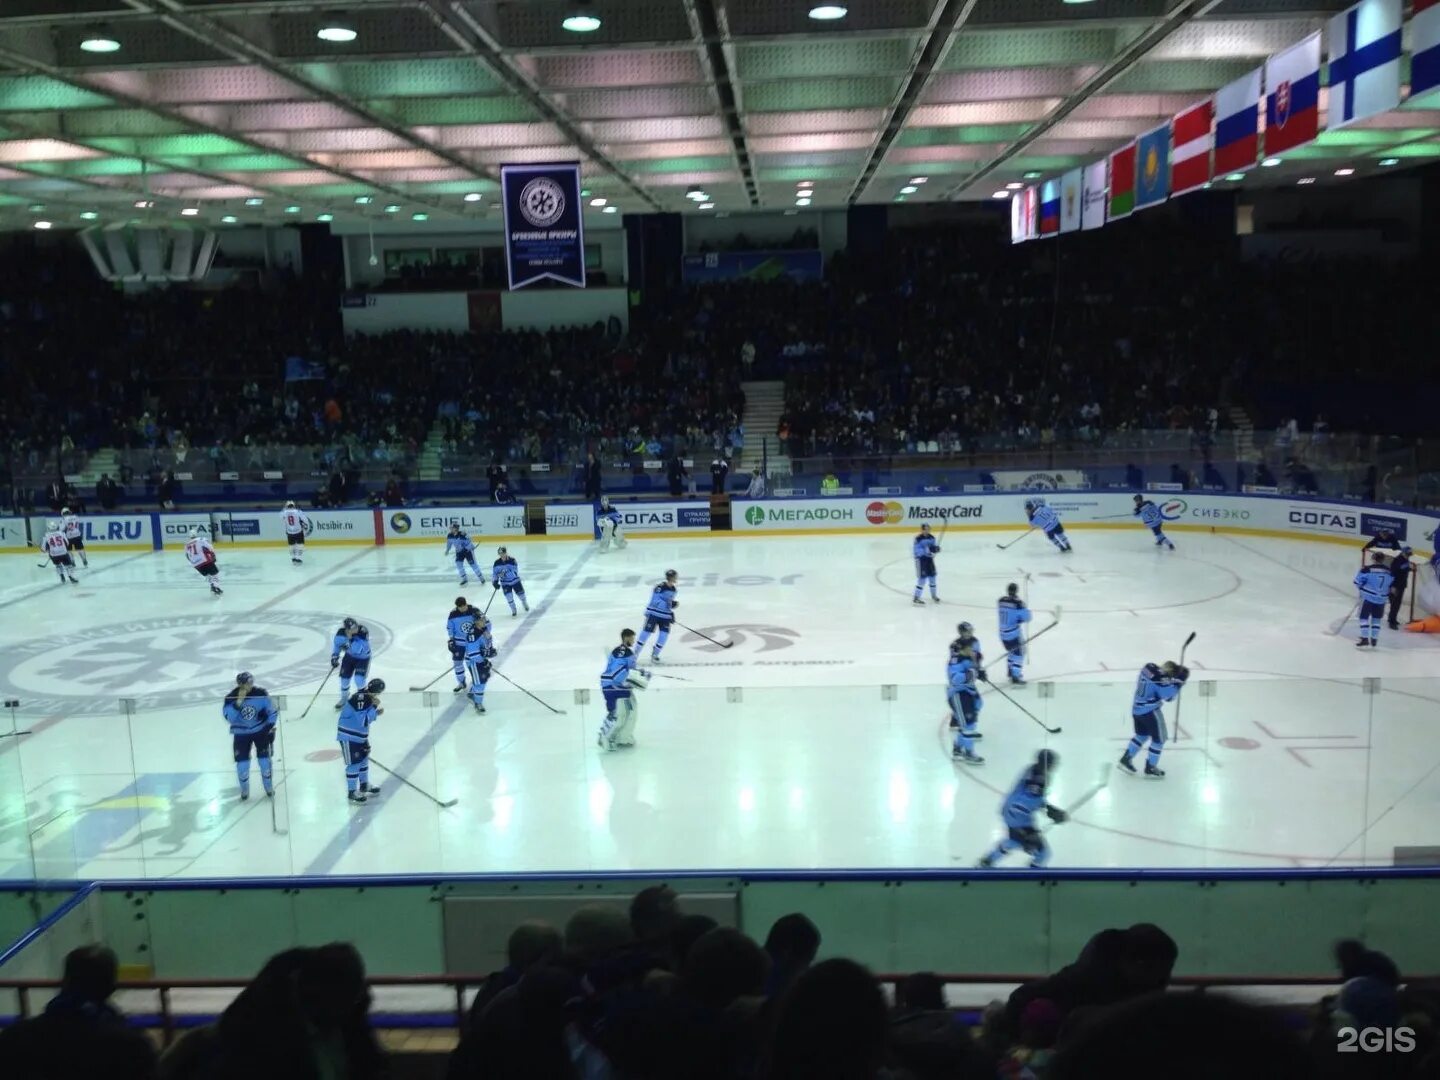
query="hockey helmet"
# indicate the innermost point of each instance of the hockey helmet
(52, 526)
(605, 501)
(966, 630)
(375, 686)
(454, 526)
(626, 633)
(65, 510)
(290, 504)
(1407, 550)
(669, 574)
(196, 532)
(500, 550)
(924, 526)
(1029, 504)
(460, 602)
(1139, 498)
(349, 624)
(1048, 760)
(244, 679)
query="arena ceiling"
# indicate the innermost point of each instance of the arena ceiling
(236, 107)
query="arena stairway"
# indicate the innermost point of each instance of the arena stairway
(764, 404)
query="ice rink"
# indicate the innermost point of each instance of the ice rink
(817, 741)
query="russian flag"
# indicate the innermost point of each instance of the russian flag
(1237, 125)
(1364, 43)
(1425, 47)
(1292, 96)
(1050, 208)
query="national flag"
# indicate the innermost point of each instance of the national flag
(1070, 201)
(1092, 195)
(1364, 44)
(1425, 47)
(1190, 164)
(1050, 208)
(1122, 183)
(1292, 96)
(1017, 218)
(1237, 125)
(1152, 182)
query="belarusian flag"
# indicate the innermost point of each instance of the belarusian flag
(1190, 159)
(1122, 183)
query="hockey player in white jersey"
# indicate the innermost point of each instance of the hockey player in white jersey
(201, 556)
(74, 534)
(54, 545)
(297, 525)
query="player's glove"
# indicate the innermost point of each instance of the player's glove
(495, 584)
(334, 662)
(980, 674)
(1182, 673)
(491, 652)
(937, 549)
(1057, 815)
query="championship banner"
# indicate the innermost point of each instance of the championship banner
(544, 224)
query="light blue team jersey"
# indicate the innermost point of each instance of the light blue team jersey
(479, 646)
(612, 514)
(1013, 615)
(662, 602)
(1149, 513)
(461, 624)
(1374, 584)
(1025, 800)
(461, 545)
(960, 673)
(357, 645)
(356, 716)
(252, 716)
(618, 665)
(1044, 518)
(506, 571)
(1152, 688)
(925, 546)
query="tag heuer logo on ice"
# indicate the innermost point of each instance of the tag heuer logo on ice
(769, 638)
(165, 663)
(542, 202)
(755, 515)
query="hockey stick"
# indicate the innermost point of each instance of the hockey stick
(1045, 629)
(512, 682)
(1106, 772)
(1179, 701)
(432, 682)
(1017, 539)
(318, 690)
(1348, 615)
(1112, 517)
(415, 787)
(1027, 712)
(707, 637)
(662, 675)
(493, 593)
(15, 734)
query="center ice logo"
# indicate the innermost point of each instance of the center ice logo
(170, 662)
(769, 637)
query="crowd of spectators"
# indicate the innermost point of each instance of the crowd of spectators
(661, 993)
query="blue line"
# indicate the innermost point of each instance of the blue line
(20, 943)
(88, 575)
(341, 841)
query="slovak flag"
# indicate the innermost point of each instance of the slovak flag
(1292, 96)
(1425, 47)
(1364, 44)
(1237, 125)
(1050, 208)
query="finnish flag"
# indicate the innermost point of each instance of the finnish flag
(1364, 46)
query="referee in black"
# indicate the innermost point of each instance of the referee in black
(1400, 567)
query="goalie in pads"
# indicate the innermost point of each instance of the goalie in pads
(611, 526)
(618, 682)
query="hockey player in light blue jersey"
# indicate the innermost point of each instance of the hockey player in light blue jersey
(610, 523)
(1373, 582)
(618, 683)
(1045, 519)
(963, 676)
(353, 735)
(924, 548)
(251, 716)
(350, 652)
(464, 548)
(465, 620)
(1013, 617)
(1150, 516)
(1157, 683)
(659, 614)
(478, 652)
(1024, 801)
(969, 644)
(505, 574)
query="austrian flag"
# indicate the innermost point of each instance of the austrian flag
(1190, 159)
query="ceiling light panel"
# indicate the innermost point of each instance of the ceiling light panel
(1006, 85)
(596, 69)
(814, 121)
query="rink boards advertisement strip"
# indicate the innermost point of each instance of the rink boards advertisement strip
(265, 528)
(112, 532)
(1268, 515)
(432, 523)
(653, 518)
(13, 536)
(569, 519)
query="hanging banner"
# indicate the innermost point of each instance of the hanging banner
(544, 226)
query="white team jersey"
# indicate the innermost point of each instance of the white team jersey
(54, 544)
(199, 552)
(71, 526)
(296, 521)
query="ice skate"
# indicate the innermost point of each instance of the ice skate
(1128, 765)
(966, 757)
(459, 689)
(357, 798)
(1153, 773)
